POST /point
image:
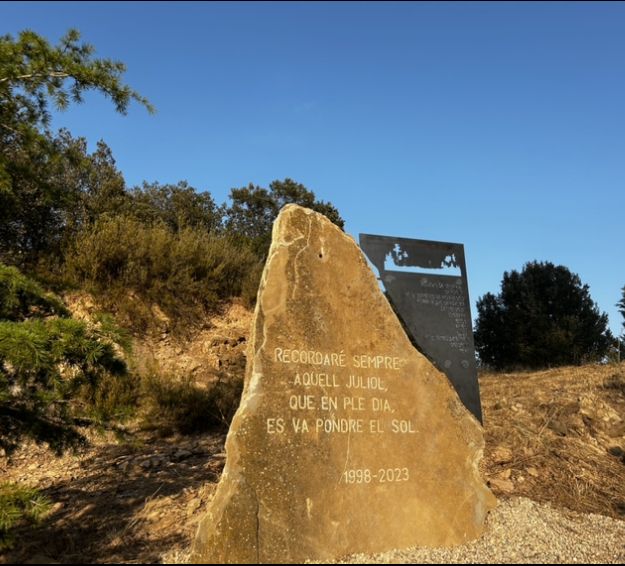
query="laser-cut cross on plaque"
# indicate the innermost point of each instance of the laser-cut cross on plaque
(426, 282)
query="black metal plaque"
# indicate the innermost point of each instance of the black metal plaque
(426, 282)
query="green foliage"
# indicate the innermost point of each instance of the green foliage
(542, 317)
(17, 504)
(31, 203)
(184, 272)
(67, 215)
(34, 73)
(112, 393)
(114, 398)
(166, 246)
(91, 182)
(21, 297)
(187, 407)
(45, 363)
(35, 200)
(254, 209)
(621, 305)
(177, 206)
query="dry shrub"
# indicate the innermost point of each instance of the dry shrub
(181, 405)
(616, 382)
(130, 265)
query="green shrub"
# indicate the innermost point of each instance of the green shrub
(17, 504)
(45, 365)
(185, 273)
(184, 406)
(114, 394)
(52, 369)
(114, 398)
(21, 297)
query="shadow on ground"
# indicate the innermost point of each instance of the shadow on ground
(120, 503)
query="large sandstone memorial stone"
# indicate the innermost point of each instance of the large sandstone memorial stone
(347, 439)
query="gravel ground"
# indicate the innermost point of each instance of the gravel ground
(522, 531)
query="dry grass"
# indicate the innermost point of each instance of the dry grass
(558, 436)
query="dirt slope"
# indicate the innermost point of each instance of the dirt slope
(556, 436)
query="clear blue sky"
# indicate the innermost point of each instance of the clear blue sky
(501, 126)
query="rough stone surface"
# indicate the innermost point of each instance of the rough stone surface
(347, 439)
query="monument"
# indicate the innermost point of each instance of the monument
(426, 282)
(347, 439)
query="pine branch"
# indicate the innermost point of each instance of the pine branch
(52, 74)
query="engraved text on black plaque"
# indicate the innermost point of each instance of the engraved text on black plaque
(426, 282)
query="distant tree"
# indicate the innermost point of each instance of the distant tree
(621, 305)
(177, 206)
(33, 76)
(95, 184)
(254, 209)
(542, 317)
(65, 190)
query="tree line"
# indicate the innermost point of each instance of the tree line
(67, 215)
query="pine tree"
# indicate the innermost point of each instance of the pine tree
(46, 360)
(34, 200)
(543, 317)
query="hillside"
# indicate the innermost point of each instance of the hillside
(555, 437)
(558, 436)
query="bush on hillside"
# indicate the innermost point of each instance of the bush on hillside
(183, 406)
(47, 362)
(21, 297)
(185, 273)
